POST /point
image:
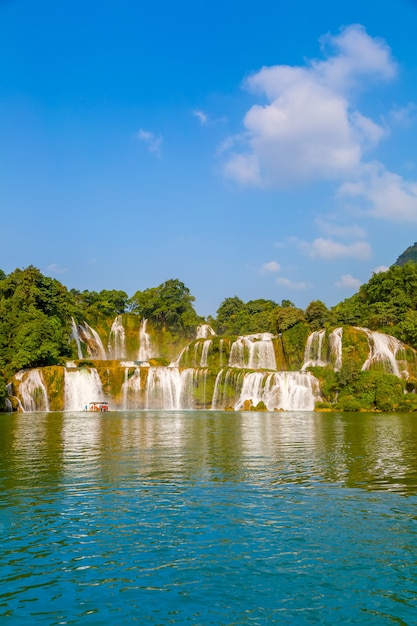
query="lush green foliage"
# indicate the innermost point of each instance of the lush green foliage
(408, 255)
(34, 320)
(94, 307)
(388, 302)
(235, 317)
(36, 313)
(3, 392)
(170, 305)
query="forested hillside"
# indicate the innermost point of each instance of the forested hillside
(38, 313)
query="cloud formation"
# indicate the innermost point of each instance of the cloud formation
(151, 140)
(329, 249)
(203, 117)
(311, 129)
(290, 284)
(270, 267)
(347, 281)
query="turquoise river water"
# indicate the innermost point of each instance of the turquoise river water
(208, 517)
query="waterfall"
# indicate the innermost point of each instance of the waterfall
(204, 352)
(382, 351)
(170, 388)
(253, 352)
(131, 390)
(226, 388)
(288, 391)
(313, 354)
(32, 393)
(116, 344)
(144, 342)
(335, 344)
(319, 352)
(163, 388)
(92, 339)
(75, 335)
(204, 331)
(82, 386)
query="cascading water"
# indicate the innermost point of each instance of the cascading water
(163, 388)
(383, 352)
(204, 353)
(320, 351)
(75, 335)
(170, 388)
(288, 391)
(253, 352)
(91, 338)
(131, 389)
(116, 344)
(313, 354)
(144, 342)
(32, 394)
(335, 344)
(204, 331)
(82, 386)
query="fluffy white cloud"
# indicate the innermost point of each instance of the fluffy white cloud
(309, 127)
(386, 195)
(347, 281)
(272, 266)
(380, 268)
(329, 249)
(286, 282)
(152, 141)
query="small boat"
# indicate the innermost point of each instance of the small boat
(97, 406)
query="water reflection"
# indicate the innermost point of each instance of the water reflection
(371, 451)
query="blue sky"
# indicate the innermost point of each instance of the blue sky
(264, 150)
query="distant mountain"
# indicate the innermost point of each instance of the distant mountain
(408, 255)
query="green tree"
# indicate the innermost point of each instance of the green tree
(168, 306)
(35, 313)
(230, 316)
(317, 314)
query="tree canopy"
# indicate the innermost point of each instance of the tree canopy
(170, 305)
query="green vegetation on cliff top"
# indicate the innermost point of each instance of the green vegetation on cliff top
(36, 314)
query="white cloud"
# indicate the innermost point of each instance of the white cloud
(203, 117)
(329, 249)
(348, 281)
(404, 116)
(244, 168)
(386, 195)
(345, 232)
(380, 268)
(54, 268)
(286, 282)
(309, 127)
(272, 266)
(152, 141)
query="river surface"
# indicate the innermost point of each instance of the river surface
(208, 517)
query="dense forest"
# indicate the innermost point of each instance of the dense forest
(37, 313)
